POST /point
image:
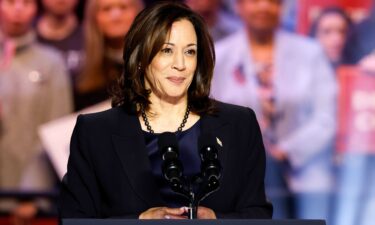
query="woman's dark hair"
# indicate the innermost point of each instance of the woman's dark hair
(330, 10)
(145, 39)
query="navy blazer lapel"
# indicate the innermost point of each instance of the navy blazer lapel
(216, 125)
(131, 148)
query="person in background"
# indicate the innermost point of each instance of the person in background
(220, 22)
(59, 26)
(34, 89)
(360, 48)
(361, 40)
(105, 25)
(331, 29)
(355, 201)
(289, 83)
(289, 17)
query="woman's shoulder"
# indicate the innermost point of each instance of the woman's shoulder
(234, 112)
(103, 120)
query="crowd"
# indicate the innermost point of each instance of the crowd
(54, 61)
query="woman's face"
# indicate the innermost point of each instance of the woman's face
(203, 6)
(172, 69)
(114, 17)
(260, 15)
(59, 7)
(331, 33)
(16, 16)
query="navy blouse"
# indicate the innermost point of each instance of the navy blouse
(189, 157)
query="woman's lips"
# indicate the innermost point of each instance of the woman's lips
(176, 80)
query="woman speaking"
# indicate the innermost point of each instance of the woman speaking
(114, 168)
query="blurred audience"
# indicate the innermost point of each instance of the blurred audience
(288, 81)
(34, 89)
(355, 202)
(289, 17)
(106, 23)
(58, 26)
(363, 47)
(331, 29)
(361, 41)
(367, 63)
(220, 22)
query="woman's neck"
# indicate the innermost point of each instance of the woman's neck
(54, 27)
(260, 38)
(262, 47)
(167, 107)
(167, 115)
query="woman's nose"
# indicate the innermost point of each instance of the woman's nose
(179, 62)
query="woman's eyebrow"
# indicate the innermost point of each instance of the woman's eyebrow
(191, 44)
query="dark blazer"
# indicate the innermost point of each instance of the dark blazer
(109, 173)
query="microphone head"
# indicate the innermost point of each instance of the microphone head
(207, 147)
(172, 170)
(211, 169)
(167, 139)
(168, 145)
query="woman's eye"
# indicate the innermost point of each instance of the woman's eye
(166, 50)
(191, 52)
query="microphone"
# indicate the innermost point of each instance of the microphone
(210, 167)
(172, 168)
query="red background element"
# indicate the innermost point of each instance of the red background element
(349, 136)
(307, 10)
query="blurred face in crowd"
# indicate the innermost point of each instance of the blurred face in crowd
(203, 6)
(172, 69)
(16, 16)
(59, 7)
(114, 17)
(331, 32)
(260, 15)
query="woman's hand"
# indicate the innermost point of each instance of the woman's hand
(164, 213)
(205, 213)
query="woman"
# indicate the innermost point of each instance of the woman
(114, 167)
(331, 29)
(58, 25)
(105, 25)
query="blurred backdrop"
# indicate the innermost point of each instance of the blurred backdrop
(307, 68)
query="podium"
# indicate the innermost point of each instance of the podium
(189, 222)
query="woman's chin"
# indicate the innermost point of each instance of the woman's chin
(174, 97)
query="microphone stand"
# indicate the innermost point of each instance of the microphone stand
(193, 207)
(207, 180)
(206, 188)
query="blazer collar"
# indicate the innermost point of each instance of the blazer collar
(131, 149)
(217, 126)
